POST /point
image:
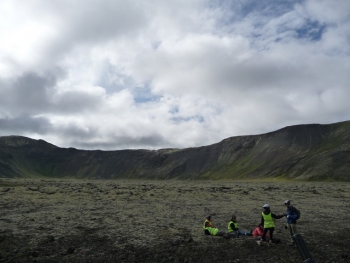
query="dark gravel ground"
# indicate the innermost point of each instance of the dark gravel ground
(91, 248)
(83, 221)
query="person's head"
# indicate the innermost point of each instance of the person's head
(266, 207)
(287, 203)
(208, 217)
(233, 218)
(260, 225)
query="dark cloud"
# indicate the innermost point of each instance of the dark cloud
(76, 102)
(24, 124)
(33, 93)
(29, 93)
(75, 132)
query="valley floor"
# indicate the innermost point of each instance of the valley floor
(161, 221)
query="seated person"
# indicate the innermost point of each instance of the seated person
(209, 228)
(233, 229)
(258, 232)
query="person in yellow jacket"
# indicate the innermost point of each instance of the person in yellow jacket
(233, 229)
(209, 228)
(268, 221)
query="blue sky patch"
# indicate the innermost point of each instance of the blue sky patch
(174, 110)
(313, 30)
(197, 118)
(144, 95)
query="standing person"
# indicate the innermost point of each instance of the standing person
(209, 228)
(233, 228)
(267, 220)
(292, 216)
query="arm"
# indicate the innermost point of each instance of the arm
(232, 225)
(292, 216)
(255, 233)
(276, 216)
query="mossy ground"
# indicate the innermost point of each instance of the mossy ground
(161, 221)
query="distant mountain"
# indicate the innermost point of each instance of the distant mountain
(304, 152)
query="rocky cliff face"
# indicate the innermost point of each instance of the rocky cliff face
(306, 152)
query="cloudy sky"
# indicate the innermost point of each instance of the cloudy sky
(151, 74)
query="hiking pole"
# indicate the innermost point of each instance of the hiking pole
(305, 254)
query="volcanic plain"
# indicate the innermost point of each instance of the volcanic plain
(49, 220)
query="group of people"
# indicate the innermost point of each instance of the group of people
(232, 228)
(264, 231)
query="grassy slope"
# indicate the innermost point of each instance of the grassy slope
(305, 152)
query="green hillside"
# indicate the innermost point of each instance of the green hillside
(302, 152)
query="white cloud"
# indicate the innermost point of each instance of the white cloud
(158, 74)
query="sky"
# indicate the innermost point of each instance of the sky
(154, 74)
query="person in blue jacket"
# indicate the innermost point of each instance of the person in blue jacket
(292, 215)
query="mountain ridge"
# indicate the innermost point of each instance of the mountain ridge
(301, 152)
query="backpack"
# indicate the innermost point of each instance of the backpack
(297, 212)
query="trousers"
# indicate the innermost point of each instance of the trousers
(292, 229)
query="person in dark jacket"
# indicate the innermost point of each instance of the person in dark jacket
(268, 221)
(292, 217)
